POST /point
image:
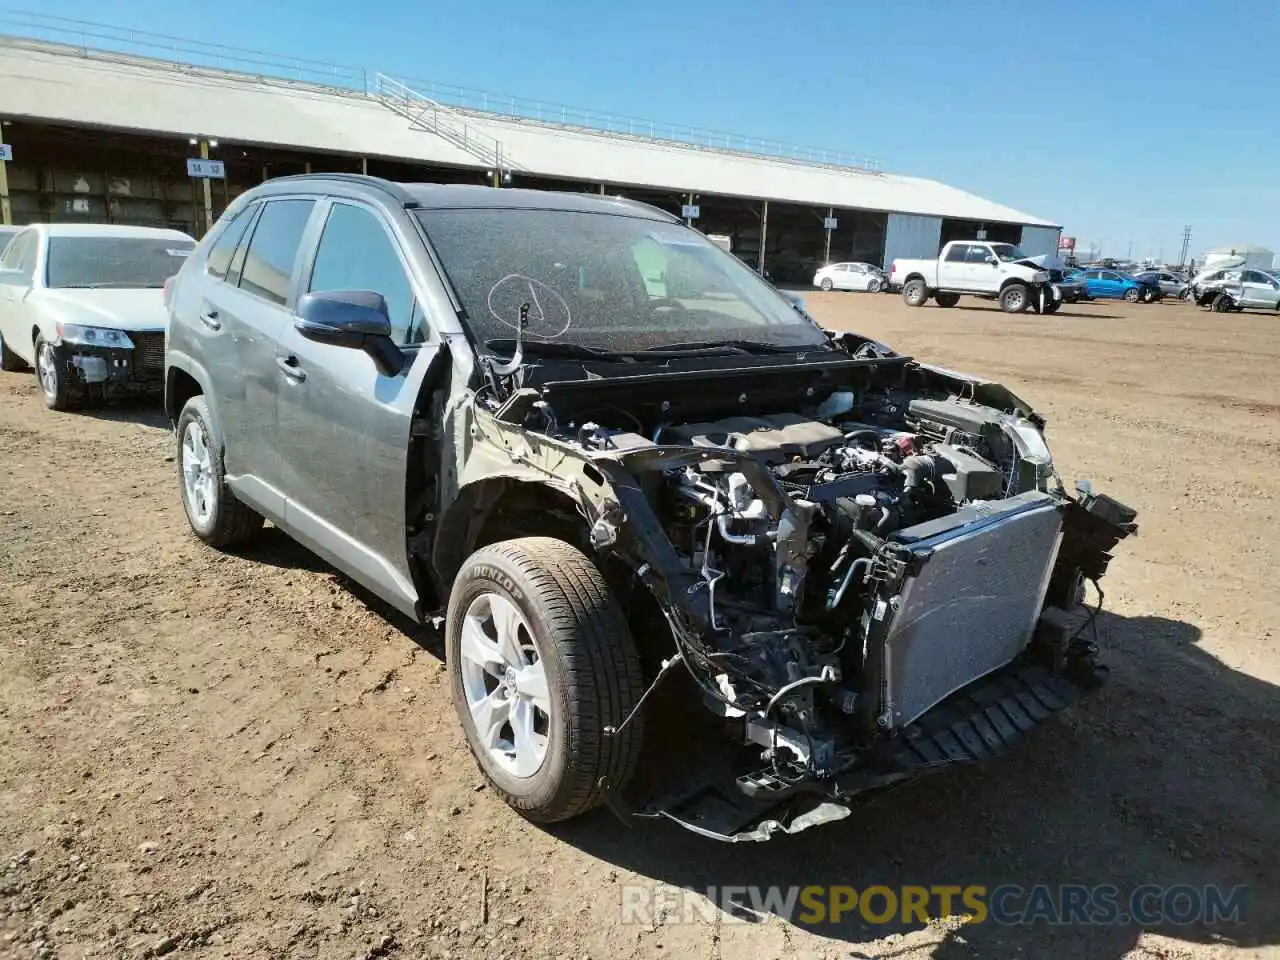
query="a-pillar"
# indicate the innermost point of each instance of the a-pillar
(764, 233)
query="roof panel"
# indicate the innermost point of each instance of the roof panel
(47, 82)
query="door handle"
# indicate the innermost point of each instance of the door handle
(291, 368)
(210, 319)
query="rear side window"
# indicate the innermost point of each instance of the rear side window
(273, 249)
(220, 256)
(957, 253)
(20, 254)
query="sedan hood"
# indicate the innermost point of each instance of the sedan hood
(129, 310)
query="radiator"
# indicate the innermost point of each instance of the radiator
(973, 602)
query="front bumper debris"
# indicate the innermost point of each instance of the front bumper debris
(979, 722)
(117, 371)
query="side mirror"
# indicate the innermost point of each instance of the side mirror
(356, 319)
(993, 261)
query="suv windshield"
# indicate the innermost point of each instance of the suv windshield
(1007, 252)
(607, 281)
(126, 262)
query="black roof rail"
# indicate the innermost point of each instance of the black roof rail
(395, 190)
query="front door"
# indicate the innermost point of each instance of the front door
(343, 425)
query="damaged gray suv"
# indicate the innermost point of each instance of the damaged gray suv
(617, 465)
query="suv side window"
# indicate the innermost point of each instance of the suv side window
(957, 253)
(272, 252)
(978, 254)
(219, 260)
(357, 252)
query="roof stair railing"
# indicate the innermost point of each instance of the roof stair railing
(426, 114)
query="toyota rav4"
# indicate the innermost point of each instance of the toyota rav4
(604, 454)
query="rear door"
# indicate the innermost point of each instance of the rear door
(953, 271)
(343, 425)
(246, 311)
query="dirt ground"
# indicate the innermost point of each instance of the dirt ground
(241, 756)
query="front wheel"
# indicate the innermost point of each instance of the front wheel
(826, 284)
(541, 663)
(946, 299)
(915, 293)
(215, 515)
(1013, 298)
(875, 286)
(57, 388)
(1052, 306)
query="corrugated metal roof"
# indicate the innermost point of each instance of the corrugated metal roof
(62, 84)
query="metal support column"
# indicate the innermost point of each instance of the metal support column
(688, 221)
(306, 167)
(764, 233)
(6, 209)
(364, 166)
(826, 255)
(602, 189)
(207, 187)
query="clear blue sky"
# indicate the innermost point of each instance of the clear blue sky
(1122, 121)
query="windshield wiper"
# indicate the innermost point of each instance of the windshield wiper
(554, 348)
(712, 347)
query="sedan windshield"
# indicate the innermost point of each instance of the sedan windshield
(606, 281)
(121, 262)
(1007, 252)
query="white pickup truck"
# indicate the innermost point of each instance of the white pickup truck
(976, 268)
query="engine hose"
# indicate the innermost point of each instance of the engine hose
(919, 468)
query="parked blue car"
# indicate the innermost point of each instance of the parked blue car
(1114, 285)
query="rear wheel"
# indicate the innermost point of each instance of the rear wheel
(826, 284)
(215, 515)
(541, 664)
(915, 293)
(1013, 298)
(946, 299)
(1132, 295)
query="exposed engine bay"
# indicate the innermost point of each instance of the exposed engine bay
(833, 571)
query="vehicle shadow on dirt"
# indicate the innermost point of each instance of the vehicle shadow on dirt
(1070, 314)
(146, 411)
(1169, 776)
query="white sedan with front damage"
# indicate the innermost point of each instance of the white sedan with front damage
(84, 305)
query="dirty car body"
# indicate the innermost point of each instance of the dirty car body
(867, 566)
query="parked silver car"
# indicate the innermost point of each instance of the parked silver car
(600, 449)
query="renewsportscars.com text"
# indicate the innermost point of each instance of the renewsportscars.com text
(1147, 905)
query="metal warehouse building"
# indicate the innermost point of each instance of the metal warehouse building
(100, 126)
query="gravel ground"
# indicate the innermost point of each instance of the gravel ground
(241, 756)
